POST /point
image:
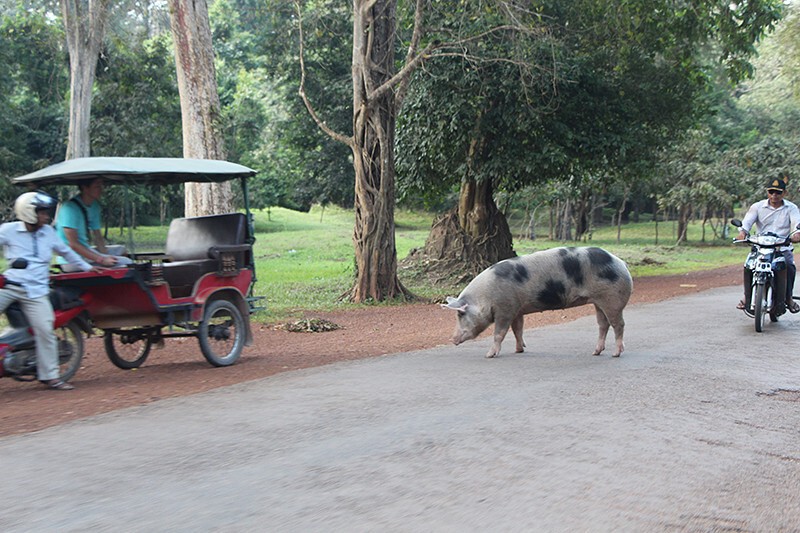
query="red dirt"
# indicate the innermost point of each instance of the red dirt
(179, 368)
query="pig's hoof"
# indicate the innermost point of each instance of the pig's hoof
(617, 354)
(490, 355)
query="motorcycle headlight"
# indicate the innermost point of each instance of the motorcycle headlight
(767, 240)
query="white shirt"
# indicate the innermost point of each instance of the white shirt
(780, 221)
(37, 247)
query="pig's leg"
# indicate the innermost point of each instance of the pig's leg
(516, 327)
(619, 330)
(500, 330)
(611, 316)
(604, 324)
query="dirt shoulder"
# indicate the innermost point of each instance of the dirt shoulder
(179, 368)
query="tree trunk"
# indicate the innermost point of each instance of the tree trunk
(470, 237)
(84, 23)
(200, 106)
(683, 223)
(563, 220)
(621, 211)
(374, 115)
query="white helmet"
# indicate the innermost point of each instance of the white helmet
(30, 203)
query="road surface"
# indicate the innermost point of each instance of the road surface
(695, 427)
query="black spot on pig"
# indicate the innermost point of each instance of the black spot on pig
(572, 268)
(598, 256)
(511, 270)
(554, 295)
(602, 263)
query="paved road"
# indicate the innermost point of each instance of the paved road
(696, 427)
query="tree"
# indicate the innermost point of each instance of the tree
(376, 86)
(630, 75)
(379, 88)
(200, 105)
(85, 24)
(32, 88)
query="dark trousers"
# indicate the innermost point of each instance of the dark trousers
(784, 284)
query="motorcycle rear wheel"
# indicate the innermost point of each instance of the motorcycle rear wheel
(70, 350)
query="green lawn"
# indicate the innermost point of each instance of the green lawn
(304, 261)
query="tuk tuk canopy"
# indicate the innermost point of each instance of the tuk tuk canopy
(135, 171)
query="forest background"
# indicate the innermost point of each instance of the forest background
(600, 113)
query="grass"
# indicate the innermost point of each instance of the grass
(645, 258)
(305, 262)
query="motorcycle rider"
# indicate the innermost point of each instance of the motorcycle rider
(32, 238)
(780, 216)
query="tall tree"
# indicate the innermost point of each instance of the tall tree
(379, 88)
(376, 83)
(631, 76)
(85, 24)
(200, 105)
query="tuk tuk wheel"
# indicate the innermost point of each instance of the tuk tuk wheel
(221, 333)
(127, 349)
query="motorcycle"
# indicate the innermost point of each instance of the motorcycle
(768, 267)
(18, 346)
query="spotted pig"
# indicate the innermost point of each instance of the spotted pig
(551, 279)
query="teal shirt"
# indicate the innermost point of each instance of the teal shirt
(71, 216)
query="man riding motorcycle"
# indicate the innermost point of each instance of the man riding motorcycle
(780, 216)
(33, 239)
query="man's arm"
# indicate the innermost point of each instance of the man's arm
(70, 255)
(794, 217)
(749, 219)
(98, 241)
(83, 251)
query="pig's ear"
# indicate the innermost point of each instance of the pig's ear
(453, 303)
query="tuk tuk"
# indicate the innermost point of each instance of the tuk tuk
(200, 285)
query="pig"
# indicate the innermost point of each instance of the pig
(551, 279)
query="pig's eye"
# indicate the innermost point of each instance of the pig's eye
(461, 313)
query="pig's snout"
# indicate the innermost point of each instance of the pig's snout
(460, 336)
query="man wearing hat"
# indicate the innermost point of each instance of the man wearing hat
(779, 216)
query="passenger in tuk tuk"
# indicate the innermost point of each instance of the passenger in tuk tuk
(78, 224)
(31, 238)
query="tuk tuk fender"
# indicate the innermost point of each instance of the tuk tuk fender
(212, 294)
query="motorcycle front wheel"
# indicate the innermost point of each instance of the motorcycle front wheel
(760, 305)
(70, 350)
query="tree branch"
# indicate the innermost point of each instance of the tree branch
(416, 36)
(302, 91)
(402, 78)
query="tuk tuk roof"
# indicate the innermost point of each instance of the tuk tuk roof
(135, 170)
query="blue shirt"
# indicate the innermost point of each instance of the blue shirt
(37, 247)
(70, 215)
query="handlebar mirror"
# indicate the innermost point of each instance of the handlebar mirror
(20, 263)
(738, 223)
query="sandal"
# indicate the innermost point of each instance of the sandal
(740, 306)
(793, 307)
(56, 384)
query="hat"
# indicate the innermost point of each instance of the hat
(776, 184)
